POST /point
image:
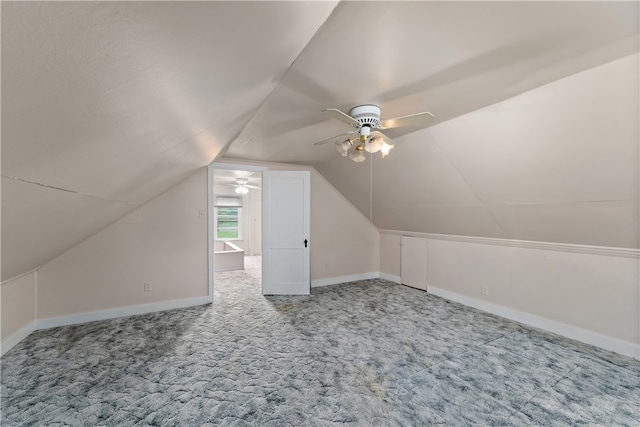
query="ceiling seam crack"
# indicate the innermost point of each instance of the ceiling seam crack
(66, 190)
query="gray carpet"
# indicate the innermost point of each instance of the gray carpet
(365, 353)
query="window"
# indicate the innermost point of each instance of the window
(228, 217)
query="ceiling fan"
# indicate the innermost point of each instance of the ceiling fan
(242, 186)
(367, 136)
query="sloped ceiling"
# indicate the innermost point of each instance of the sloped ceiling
(557, 164)
(112, 103)
(107, 104)
(511, 153)
(449, 58)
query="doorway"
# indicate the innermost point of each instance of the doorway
(275, 259)
(235, 226)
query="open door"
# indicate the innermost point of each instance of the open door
(286, 226)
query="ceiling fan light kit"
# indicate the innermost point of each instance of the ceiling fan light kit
(385, 149)
(373, 145)
(344, 146)
(357, 156)
(366, 120)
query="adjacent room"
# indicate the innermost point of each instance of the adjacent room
(237, 218)
(320, 213)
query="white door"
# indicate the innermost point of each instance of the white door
(286, 225)
(413, 262)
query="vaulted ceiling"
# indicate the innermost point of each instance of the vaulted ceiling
(107, 104)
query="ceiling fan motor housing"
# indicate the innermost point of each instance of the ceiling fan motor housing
(367, 115)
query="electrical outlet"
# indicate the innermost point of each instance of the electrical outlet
(147, 286)
(484, 290)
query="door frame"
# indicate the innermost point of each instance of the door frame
(210, 217)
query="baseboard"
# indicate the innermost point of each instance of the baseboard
(344, 279)
(12, 340)
(73, 319)
(390, 277)
(612, 344)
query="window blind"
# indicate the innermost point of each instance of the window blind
(228, 202)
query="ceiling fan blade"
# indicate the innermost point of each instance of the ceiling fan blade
(384, 137)
(252, 186)
(334, 138)
(343, 117)
(418, 119)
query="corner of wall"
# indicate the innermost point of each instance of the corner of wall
(78, 285)
(162, 243)
(18, 311)
(587, 293)
(340, 249)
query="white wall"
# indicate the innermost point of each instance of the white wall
(164, 242)
(18, 311)
(587, 293)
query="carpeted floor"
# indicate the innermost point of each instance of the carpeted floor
(365, 353)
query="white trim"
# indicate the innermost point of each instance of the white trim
(344, 279)
(391, 277)
(238, 167)
(619, 346)
(19, 276)
(210, 232)
(549, 246)
(73, 319)
(36, 291)
(12, 340)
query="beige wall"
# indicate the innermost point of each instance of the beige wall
(18, 304)
(556, 164)
(163, 242)
(594, 292)
(343, 241)
(390, 252)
